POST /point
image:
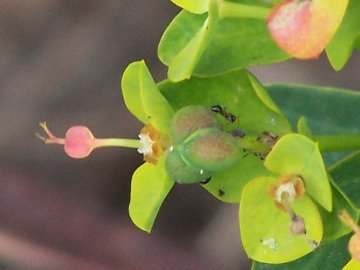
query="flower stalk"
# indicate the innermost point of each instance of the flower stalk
(235, 10)
(79, 142)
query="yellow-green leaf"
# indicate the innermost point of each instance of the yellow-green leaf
(352, 265)
(143, 98)
(264, 228)
(194, 6)
(295, 154)
(150, 185)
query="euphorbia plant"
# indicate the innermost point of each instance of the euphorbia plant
(212, 123)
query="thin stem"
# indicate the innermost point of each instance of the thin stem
(117, 142)
(329, 143)
(235, 10)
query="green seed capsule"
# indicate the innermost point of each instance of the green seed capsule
(192, 118)
(211, 149)
(182, 173)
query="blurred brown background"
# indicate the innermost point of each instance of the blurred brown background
(61, 62)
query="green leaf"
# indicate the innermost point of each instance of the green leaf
(143, 99)
(327, 110)
(149, 187)
(264, 228)
(233, 91)
(192, 45)
(303, 127)
(331, 255)
(178, 34)
(346, 177)
(183, 64)
(333, 227)
(194, 6)
(228, 185)
(341, 46)
(343, 170)
(254, 111)
(295, 154)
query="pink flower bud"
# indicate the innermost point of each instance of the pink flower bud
(78, 142)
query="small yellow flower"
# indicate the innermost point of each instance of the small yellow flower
(290, 188)
(152, 144)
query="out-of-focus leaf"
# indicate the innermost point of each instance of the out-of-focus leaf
(194, 6)
(341, 46)
(303, 127)
(333, 227)
(327, 110)
(255, 113)
(195, 45)
(331, 255)
(264, 228)
(295, 154)
(149, 187)
(346, 177)
(143, 99)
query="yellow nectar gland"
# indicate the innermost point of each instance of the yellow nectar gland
(151, 145)
(290, 188)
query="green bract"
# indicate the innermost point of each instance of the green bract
(194, 6)
(143, 99)
(149, 187)
(264, 228)
(295, 154)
